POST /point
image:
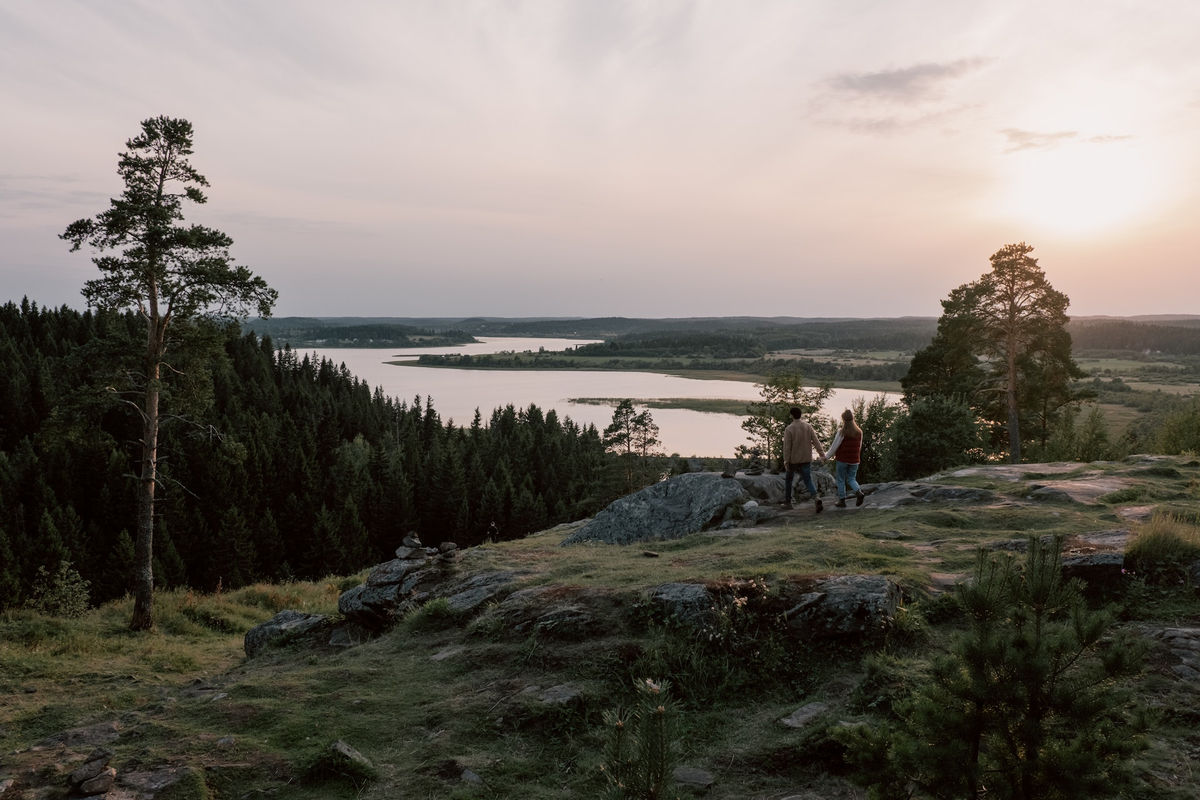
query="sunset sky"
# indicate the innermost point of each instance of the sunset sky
(593, 157)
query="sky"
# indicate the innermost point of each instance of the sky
(813, 158)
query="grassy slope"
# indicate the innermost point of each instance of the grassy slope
(180, 693)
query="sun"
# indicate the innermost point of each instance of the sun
(1079, 189)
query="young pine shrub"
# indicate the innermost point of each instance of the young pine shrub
(642, 746)
(1026, 703)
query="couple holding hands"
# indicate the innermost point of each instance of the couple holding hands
(799, 440)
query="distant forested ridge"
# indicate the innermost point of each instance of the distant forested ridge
(1170, 337)
(301, 332)
(272, 465)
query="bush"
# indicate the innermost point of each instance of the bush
(1163, 550)
(1027, 700)
(935, 433)
(63, 594)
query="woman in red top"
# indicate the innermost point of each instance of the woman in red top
(847, 449)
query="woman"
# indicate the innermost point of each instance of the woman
(847, 449)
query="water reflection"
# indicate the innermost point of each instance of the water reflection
(457, 393)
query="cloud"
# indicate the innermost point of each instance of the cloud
(1035, 140)
(918, 82)
(1109, 139)
(895, 123)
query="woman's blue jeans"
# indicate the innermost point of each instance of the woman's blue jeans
(846, 475)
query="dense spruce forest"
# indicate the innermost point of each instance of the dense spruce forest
(272, 466)
(313, 332)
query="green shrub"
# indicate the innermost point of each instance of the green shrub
(1027, 701)
(642, 746)
(63, 594)
(743, 644)
(1163, 550)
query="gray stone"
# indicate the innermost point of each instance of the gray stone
(670, 509)
(350, 634)
(959, 493)
(95, 764)
(152, 783)
(1050, 494)
(685, 602)
(101, 783)
(395, 571)
(410, 553)
(341, 751)
(447, 547)
(805, 714)
(470, 777)
(479, 589)
(767, 488)
(861, 605)
(1097, 570)
(284, 624)
(563, 694)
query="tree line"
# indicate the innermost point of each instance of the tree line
(273, 465)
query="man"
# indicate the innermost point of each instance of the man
(799, 439)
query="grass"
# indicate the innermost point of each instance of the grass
(181, 691)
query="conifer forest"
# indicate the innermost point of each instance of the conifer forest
(273, 465)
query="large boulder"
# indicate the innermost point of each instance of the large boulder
(667, 510)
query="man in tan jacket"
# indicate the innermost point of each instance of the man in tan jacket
(799, 440)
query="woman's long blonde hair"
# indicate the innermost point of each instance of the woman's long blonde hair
(850, 428)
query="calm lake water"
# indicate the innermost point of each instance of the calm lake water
(457, 393)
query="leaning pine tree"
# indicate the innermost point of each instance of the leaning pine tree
(169, 271)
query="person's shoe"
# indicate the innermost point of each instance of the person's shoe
(820, 506)
(787, 505)
(859, 497)
(841, 503)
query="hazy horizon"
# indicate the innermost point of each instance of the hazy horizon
(576, 158)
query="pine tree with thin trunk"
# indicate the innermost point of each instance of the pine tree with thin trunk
(171, 273)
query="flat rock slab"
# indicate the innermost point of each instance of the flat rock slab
(1087, 489)
(1015, 472)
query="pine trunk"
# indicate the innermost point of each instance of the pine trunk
(143, 592)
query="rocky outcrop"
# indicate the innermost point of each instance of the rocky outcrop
(847, 605)
(285, 624)
(670, 509)
(822, 608)
(395, 586)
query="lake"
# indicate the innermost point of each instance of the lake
(457, 393)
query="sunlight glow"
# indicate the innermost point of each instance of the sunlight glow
(1080, 189)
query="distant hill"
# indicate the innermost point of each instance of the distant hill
(1176, 334)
